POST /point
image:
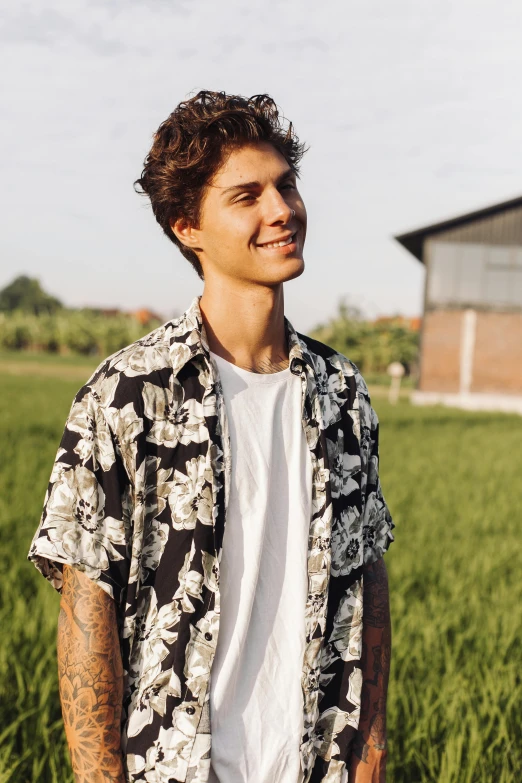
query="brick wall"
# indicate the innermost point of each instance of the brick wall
(440, 358)
(497, 360)
(497, 364)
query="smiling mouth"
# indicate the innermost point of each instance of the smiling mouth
(282, 243)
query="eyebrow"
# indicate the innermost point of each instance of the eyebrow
(252, 185)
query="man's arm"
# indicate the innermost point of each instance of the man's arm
(90, 679)
(368, 762)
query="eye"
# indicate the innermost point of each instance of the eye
(246, 197)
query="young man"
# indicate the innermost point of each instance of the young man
(214, 519)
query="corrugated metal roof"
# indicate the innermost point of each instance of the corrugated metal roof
(479, 225)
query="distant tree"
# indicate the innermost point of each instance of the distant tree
(372, 346)
(26, 294)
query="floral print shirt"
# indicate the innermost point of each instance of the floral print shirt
(137, 500)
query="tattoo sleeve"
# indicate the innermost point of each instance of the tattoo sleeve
(90, 679)
(376, 657)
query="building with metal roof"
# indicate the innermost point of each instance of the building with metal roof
(471, 338)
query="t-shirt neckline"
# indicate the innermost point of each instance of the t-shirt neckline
(252, 377)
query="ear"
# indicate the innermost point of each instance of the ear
(185, 232)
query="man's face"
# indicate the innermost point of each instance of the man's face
(247, 230)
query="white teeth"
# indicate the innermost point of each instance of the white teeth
(280, 244)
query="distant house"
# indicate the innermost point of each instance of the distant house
(145, 316)
(411, 323)
(471, 337)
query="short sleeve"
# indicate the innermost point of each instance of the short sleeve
(85, 521)
(377, 520)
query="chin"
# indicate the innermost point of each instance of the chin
(292, 268)
(296, 273)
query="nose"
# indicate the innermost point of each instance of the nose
(277, 211)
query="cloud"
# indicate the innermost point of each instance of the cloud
(104, 29)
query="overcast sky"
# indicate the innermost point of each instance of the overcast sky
(411, 110)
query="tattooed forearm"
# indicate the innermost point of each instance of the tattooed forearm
(371, 739)
(376, 596)
(90, 679)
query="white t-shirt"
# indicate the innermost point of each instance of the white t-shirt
(256, 703)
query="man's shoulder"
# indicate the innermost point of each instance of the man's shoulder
(148, 359)
(336, 360)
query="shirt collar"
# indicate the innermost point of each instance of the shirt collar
(298, 352)
(188, 339)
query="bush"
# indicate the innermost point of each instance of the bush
(81, 332)
(372, 346)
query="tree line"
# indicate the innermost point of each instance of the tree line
(32, 320)
(372, 345)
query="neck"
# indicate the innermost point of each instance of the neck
(245, 326)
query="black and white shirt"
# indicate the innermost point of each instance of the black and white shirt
(137, 501)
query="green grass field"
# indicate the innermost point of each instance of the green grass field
(453, 483)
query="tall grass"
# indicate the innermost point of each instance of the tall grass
(32, 747)
(453, 484)
(452, 481)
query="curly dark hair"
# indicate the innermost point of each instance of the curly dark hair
(192, 144)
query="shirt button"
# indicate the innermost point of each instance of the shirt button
(190, 710)
(208, 636)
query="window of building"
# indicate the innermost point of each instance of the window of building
(465, 274)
